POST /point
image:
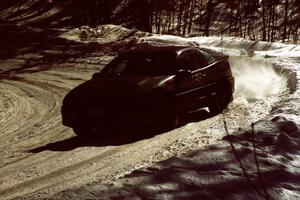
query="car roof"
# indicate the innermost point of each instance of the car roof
(156, 49)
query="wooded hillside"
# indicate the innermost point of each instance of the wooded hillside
(267, 20)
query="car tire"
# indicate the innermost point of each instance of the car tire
(220, 101)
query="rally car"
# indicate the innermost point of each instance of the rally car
(149, 86)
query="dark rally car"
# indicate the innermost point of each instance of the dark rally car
(149, 86)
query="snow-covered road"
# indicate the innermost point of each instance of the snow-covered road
(40, 157)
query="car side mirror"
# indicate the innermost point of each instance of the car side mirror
(183, 74)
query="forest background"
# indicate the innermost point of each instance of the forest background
(266, 20)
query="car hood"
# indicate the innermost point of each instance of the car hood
(113, 90)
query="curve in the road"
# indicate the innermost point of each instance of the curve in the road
(30, 118)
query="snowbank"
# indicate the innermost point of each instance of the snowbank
(232, 45)
(103, 34)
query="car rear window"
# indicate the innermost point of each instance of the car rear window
(191, 60)
(140, 64)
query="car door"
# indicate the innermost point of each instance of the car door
(189, 79)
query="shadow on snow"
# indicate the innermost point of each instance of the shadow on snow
(118, 138)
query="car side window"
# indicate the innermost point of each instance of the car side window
(190, 60)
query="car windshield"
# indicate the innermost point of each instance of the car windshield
(141, 64)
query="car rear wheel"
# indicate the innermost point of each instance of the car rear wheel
(220, 101)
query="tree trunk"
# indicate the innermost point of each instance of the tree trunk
(286, 7)
(179, 19)
(209, 10)
(264, 35)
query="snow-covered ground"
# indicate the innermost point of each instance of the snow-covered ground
(43, 159)
(259, 162)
